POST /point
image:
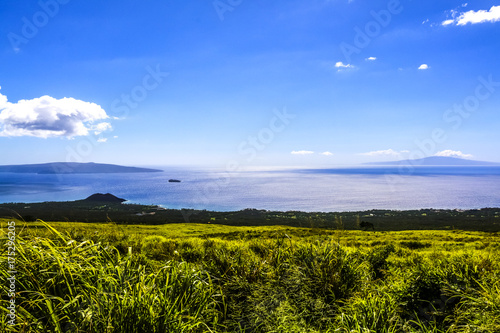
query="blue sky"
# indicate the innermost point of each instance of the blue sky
(248, 83)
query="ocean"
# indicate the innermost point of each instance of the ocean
(326, 190)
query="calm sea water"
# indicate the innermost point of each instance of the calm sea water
(307, 190)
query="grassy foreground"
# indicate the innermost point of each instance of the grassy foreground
(74, 277)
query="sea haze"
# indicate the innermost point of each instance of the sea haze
(340, 189)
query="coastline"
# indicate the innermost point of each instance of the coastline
(484, 219)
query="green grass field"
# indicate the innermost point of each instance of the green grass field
(81, 277)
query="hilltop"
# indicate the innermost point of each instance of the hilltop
(108, 197)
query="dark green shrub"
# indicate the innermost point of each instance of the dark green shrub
(377, 259)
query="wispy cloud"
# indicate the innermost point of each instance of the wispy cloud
(453, 153)
(46, 117)
(340, 66)
(371, 58)
(302, 152)
(423, 67)
(387, 152)
(310, 152)
(473, 17)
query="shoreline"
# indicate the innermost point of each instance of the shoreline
(484, 219)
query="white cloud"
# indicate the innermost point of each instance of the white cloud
(453, 153)
(423, 67)
(3, 101)
(341, 65)
(101, 127)
(302, 152)
(387, 152)
(474, 17)
(102, 140)
(46, 117)
(371, 58)
(327, 153)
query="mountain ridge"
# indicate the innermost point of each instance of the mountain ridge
(73, 168)
(436, 161)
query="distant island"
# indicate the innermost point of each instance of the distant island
(72, 168)
(437, 161)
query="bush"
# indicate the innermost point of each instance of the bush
(377, 259)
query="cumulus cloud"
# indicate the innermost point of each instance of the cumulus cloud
(423, 67)
(387, 152)
(3, 100)
(302, 152)
(474, 17)
(326, 153)
(46, 117)
(453, 153)
(371, 58)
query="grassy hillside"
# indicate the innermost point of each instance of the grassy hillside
(81, 277)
